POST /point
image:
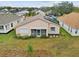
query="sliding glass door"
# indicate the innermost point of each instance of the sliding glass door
(38, 32)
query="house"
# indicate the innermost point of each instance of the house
(21, 13)
(48, 12)
(70, 23)
(37, 26)
(4, 11)
(40, 12)
(8, 22)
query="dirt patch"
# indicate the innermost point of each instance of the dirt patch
(12, 53)
(24, 53)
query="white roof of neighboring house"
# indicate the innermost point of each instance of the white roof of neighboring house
(71, 19)
(7, 18)
(41, 12)
(4, 11)
(22, 12)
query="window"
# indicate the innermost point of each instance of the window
(68, 28)
(43, 32)
(1, 27)
(76, 32)
(52, 28)
(71, 30)
(11, 24)
(38, 32)
(23, 30)
(6, 27)
(18, 21)
(33, 32)
(62, 23)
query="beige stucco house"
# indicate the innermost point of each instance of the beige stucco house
(37, 26)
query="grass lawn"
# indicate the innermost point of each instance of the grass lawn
(64, 45)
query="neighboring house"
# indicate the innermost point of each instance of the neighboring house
(21, 13)
(48, 12)
(8, 22)
(4, 11)
(70, 23)
(40, 12)
(37, 26)
(13, 10)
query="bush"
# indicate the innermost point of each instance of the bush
(29, 37)
(44, 37)
(30, 49)
(25, 37)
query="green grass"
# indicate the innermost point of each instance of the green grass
(64, 45)
(75, 9)
(6, 37)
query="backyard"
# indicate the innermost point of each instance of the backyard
(64, 45)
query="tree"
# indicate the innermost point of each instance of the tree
(61, 8)
(76, 9)
(31, 12)
(55, 11)
(8, 8)
(45, 9)
(66, 7)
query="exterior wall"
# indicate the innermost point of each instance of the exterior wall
(33, 25)
(2, 31)
(57, 29)
(37, 24)
(69, 29)
(73, 32)
(8, 27)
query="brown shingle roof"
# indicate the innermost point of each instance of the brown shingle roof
(71, 19)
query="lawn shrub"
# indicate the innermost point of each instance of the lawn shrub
(29, 50)
(29, 37)
(24, 37)
(44, 37)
